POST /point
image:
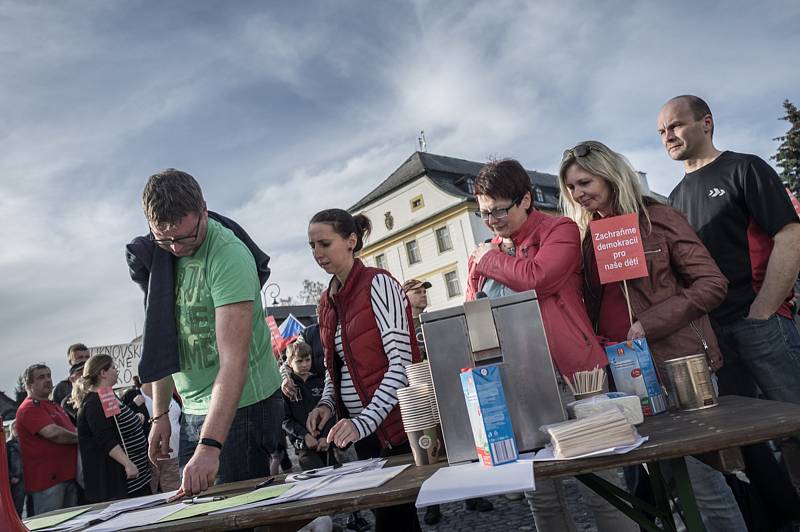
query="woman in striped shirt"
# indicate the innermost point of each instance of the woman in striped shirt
(113, 449)
(367, 334)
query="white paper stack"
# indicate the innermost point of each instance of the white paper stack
(629, 405)
(581, 436)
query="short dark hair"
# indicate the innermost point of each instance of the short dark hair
(504, 178)
(76, 347)
(697, 106)
(345, 224)
(297, 349)
(28, 375)
(170, 195)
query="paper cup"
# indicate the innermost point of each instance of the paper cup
(427, 445)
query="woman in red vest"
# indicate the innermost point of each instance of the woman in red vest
(367, 334)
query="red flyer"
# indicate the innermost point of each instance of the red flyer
(109, 401)
(618, 248)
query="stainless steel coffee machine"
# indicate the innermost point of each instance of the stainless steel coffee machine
(507, 330)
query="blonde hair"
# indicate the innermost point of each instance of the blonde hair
(618, 173)
(297, 349)
(91, 374)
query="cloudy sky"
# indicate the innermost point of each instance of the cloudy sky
(280, 109)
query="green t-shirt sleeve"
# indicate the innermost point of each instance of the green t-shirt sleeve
(232, 275)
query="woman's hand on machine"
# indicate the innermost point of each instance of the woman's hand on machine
(343, 433)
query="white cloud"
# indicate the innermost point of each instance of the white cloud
(282, 112)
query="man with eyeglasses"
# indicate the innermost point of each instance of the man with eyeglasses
(742, 213)
(227, 377)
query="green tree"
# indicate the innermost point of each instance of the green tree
(788, 156)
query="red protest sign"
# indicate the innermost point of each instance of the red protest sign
(795, 202)
(277, 339)
(618, 248)
(109, 401)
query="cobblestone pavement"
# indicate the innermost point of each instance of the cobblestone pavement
(507, 515)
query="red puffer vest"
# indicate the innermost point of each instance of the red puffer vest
(361, 340)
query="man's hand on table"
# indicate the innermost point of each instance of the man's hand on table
(201, 471)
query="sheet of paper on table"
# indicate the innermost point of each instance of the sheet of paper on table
(467, 481)
(346, 469)
(80, 519)
(192, 510)
(135, 518)
(329, 485)
(40, 523)
(546, 454)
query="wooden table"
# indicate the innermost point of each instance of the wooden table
(735, 422)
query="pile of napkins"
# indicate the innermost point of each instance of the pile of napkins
(581, 436)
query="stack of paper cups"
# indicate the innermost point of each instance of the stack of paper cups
(422, 427)
(419, 375)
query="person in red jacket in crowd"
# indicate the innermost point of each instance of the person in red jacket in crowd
(534, 251)
(368, 337)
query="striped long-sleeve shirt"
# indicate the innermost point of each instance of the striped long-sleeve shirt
(389, 307)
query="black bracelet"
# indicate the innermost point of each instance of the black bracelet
(211, 443)
(152, 419)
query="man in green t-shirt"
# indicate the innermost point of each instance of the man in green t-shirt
(228, 377)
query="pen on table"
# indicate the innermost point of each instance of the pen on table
(199, 500)
(264, 483)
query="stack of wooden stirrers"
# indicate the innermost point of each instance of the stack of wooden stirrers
(587, 381)
(594, 433)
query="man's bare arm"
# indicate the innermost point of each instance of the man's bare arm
(234, 329)
(58, 434)
(782, 268)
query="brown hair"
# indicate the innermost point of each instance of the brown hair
(297, 349)
(345, 224)
(91, 374)
(504, 178)
(73, 348)
(170, 195)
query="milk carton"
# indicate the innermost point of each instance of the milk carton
(488, 415)
(634, 373)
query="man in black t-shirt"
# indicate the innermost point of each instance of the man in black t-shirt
(742, 213)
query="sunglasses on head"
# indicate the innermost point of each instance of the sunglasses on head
(581, 150)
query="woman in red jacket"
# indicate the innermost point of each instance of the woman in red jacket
(368, 337)
(670, 305)
(534, 251)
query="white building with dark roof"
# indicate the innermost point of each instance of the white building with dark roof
(425, 222)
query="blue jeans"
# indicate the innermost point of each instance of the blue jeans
(760, 354)
(255, 433)
(763, 355)
(63, 495)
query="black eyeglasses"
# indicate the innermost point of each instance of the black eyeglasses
(166, 242)
(499, 214)
(581, 150)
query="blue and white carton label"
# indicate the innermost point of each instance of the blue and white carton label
(488, 415)
(634, 373)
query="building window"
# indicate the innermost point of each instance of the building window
(443, 241)
(412, 249)
(452, 283)
(417, 203)
(380, 261)
(539, 195)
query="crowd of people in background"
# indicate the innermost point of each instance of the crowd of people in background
(217, 404)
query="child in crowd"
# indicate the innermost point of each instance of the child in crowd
(312, 452)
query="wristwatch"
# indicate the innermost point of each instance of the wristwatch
(211, 443)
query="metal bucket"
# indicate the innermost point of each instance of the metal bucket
(690, 382)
